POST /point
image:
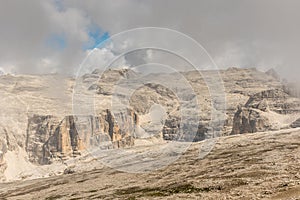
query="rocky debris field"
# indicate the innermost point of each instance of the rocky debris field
(248, 166)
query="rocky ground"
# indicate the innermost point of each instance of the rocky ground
(249, 166)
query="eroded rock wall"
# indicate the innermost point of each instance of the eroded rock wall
(264, 111)
(50, 139)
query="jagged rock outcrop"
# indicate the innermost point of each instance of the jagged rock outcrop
(3, 150)
(39, 130)
(49, 139)
(260, 93)
(262, 109)
(275, 100)
(249, 120)
(295, 124)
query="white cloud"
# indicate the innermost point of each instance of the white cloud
(102, 59)
(239, 33)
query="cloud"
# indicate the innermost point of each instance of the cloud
(100, 58)
(236, 33)
(57, 42)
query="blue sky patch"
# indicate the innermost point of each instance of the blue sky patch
(96, 36)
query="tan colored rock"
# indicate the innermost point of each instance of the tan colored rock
(50, 134)
(49, 139)
(248, 120)
(262, 108)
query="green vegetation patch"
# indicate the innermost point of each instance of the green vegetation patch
(164, 191)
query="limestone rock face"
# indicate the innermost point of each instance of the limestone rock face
(261, 94)
(275, 100)
(50, 139)
(3, 150)
(262, 109)
(39, 130)
(296, 124)
(37, 116)
(249, 120)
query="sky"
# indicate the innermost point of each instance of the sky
(55, 36)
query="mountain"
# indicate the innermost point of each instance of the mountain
(50, 122)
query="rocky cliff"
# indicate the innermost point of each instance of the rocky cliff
(267, 110)
(38, 117)
(50, 139)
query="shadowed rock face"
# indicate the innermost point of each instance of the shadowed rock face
(49, 139)
(247, 120)
(276, 100)
(296, 124)
(262, 108)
